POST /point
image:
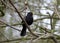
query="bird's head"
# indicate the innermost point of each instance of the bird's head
(30, 14)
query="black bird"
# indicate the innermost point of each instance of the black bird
(29, 20)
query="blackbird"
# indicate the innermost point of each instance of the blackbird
(29, 21)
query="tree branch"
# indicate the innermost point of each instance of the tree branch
(22, 18)
(54, 39)
(9, 26)
(43, 37)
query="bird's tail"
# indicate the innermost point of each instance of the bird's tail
(23, 32)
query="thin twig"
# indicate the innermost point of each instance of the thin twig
(44, 37)
(3, 35)
(56, 10)
(50, 19)
(12, 8)
(9, 26)
(39, 38)
(18, 39)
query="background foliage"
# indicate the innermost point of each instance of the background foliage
(46, 14)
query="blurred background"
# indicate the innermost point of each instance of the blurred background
(46, 14)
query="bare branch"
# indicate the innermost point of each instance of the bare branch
(54, 39)
(9, 26)
(22, 18)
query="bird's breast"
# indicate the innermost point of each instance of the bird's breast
(29, 20)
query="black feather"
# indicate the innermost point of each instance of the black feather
(29, 20)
